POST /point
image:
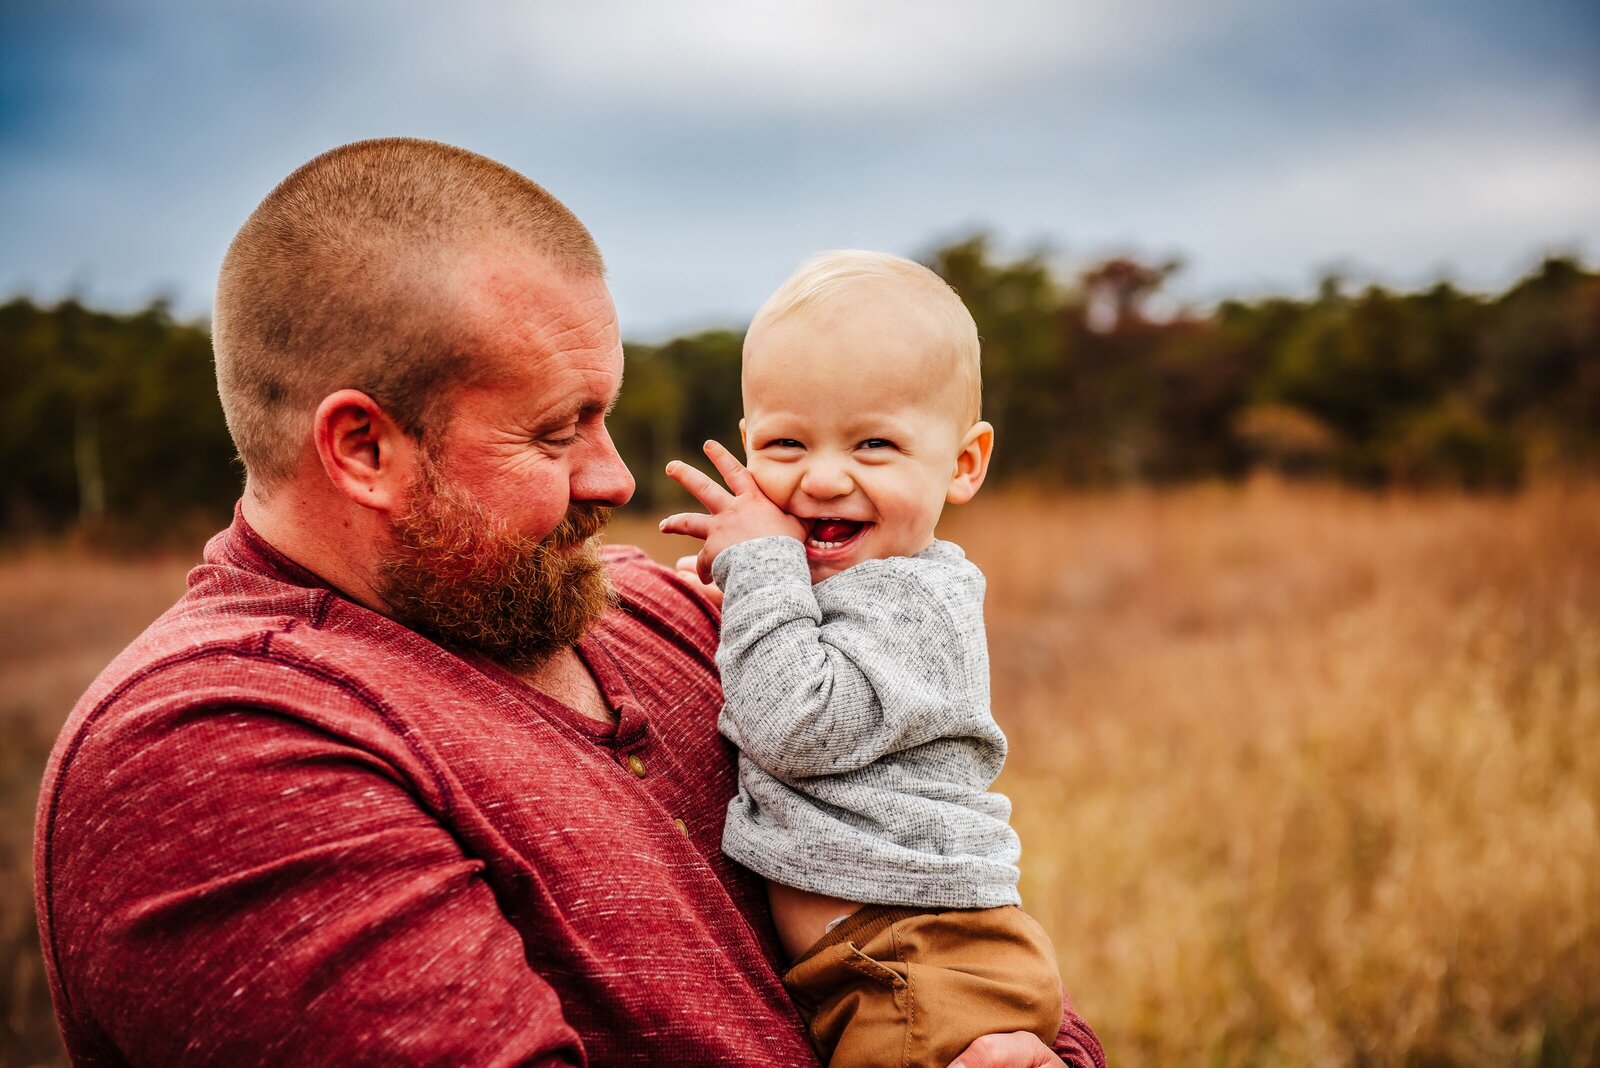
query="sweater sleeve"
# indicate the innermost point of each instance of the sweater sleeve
(239, 886)
(829, 679)
(1076, 1043)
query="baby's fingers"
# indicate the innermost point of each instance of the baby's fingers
(690, 524)
(688, 570)
(699, 485)
(728, 466)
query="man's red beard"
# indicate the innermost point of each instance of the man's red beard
(459, 576)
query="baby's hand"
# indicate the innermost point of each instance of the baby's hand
(688, 569)
(742, 515)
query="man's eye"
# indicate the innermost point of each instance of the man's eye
(560, 439)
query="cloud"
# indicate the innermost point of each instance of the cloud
(1401, 205)
(711, 143)
(801, 54)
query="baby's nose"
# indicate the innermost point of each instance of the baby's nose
(824, 480)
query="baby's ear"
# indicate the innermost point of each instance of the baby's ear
(743, 444)
(972, 463)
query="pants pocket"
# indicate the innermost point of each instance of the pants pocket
(858, 1007)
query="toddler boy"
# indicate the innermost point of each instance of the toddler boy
(855, 669)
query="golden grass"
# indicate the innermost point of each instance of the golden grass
(1308, 777)
(1302, 776)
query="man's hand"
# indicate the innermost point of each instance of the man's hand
(742, 515)
(1019, 1049)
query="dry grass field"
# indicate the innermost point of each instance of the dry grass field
(1302, 776)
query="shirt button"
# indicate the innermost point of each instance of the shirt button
(682, 826)
(636, 765)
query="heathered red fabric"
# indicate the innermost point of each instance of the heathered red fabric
(283, 829)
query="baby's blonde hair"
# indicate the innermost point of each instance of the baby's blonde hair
(829, 277)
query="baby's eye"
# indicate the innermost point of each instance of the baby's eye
(784, 443)
(877, 443)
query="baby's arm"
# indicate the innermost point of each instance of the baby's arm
(809, 694)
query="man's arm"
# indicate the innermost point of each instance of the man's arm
(1076, 1043)
(238, 886)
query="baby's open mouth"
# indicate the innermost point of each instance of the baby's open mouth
(829, 533)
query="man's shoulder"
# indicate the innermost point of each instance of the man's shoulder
(227, 644)
(235, 640)
(224, 612)
(656, 595)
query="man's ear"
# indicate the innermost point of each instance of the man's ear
(972, 463)
(364, 453)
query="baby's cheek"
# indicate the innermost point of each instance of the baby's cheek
(774, 481)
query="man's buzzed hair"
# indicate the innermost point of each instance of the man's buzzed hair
(339, 280)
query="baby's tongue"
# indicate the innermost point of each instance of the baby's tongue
(834, 530)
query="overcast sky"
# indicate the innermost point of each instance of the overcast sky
(711, 144)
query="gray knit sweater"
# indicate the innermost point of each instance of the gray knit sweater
(860, 707)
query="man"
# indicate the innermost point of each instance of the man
(413, 773)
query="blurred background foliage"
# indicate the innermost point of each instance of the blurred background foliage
(111, 422)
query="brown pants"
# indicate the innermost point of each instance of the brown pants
(910, 988)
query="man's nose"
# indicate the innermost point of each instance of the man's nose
(825, 478)
(602, 478)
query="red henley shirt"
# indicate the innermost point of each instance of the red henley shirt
(283, 829)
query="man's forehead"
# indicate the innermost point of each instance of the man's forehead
(513, 309)
(526, 287)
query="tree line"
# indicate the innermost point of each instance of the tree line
(112, 421)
